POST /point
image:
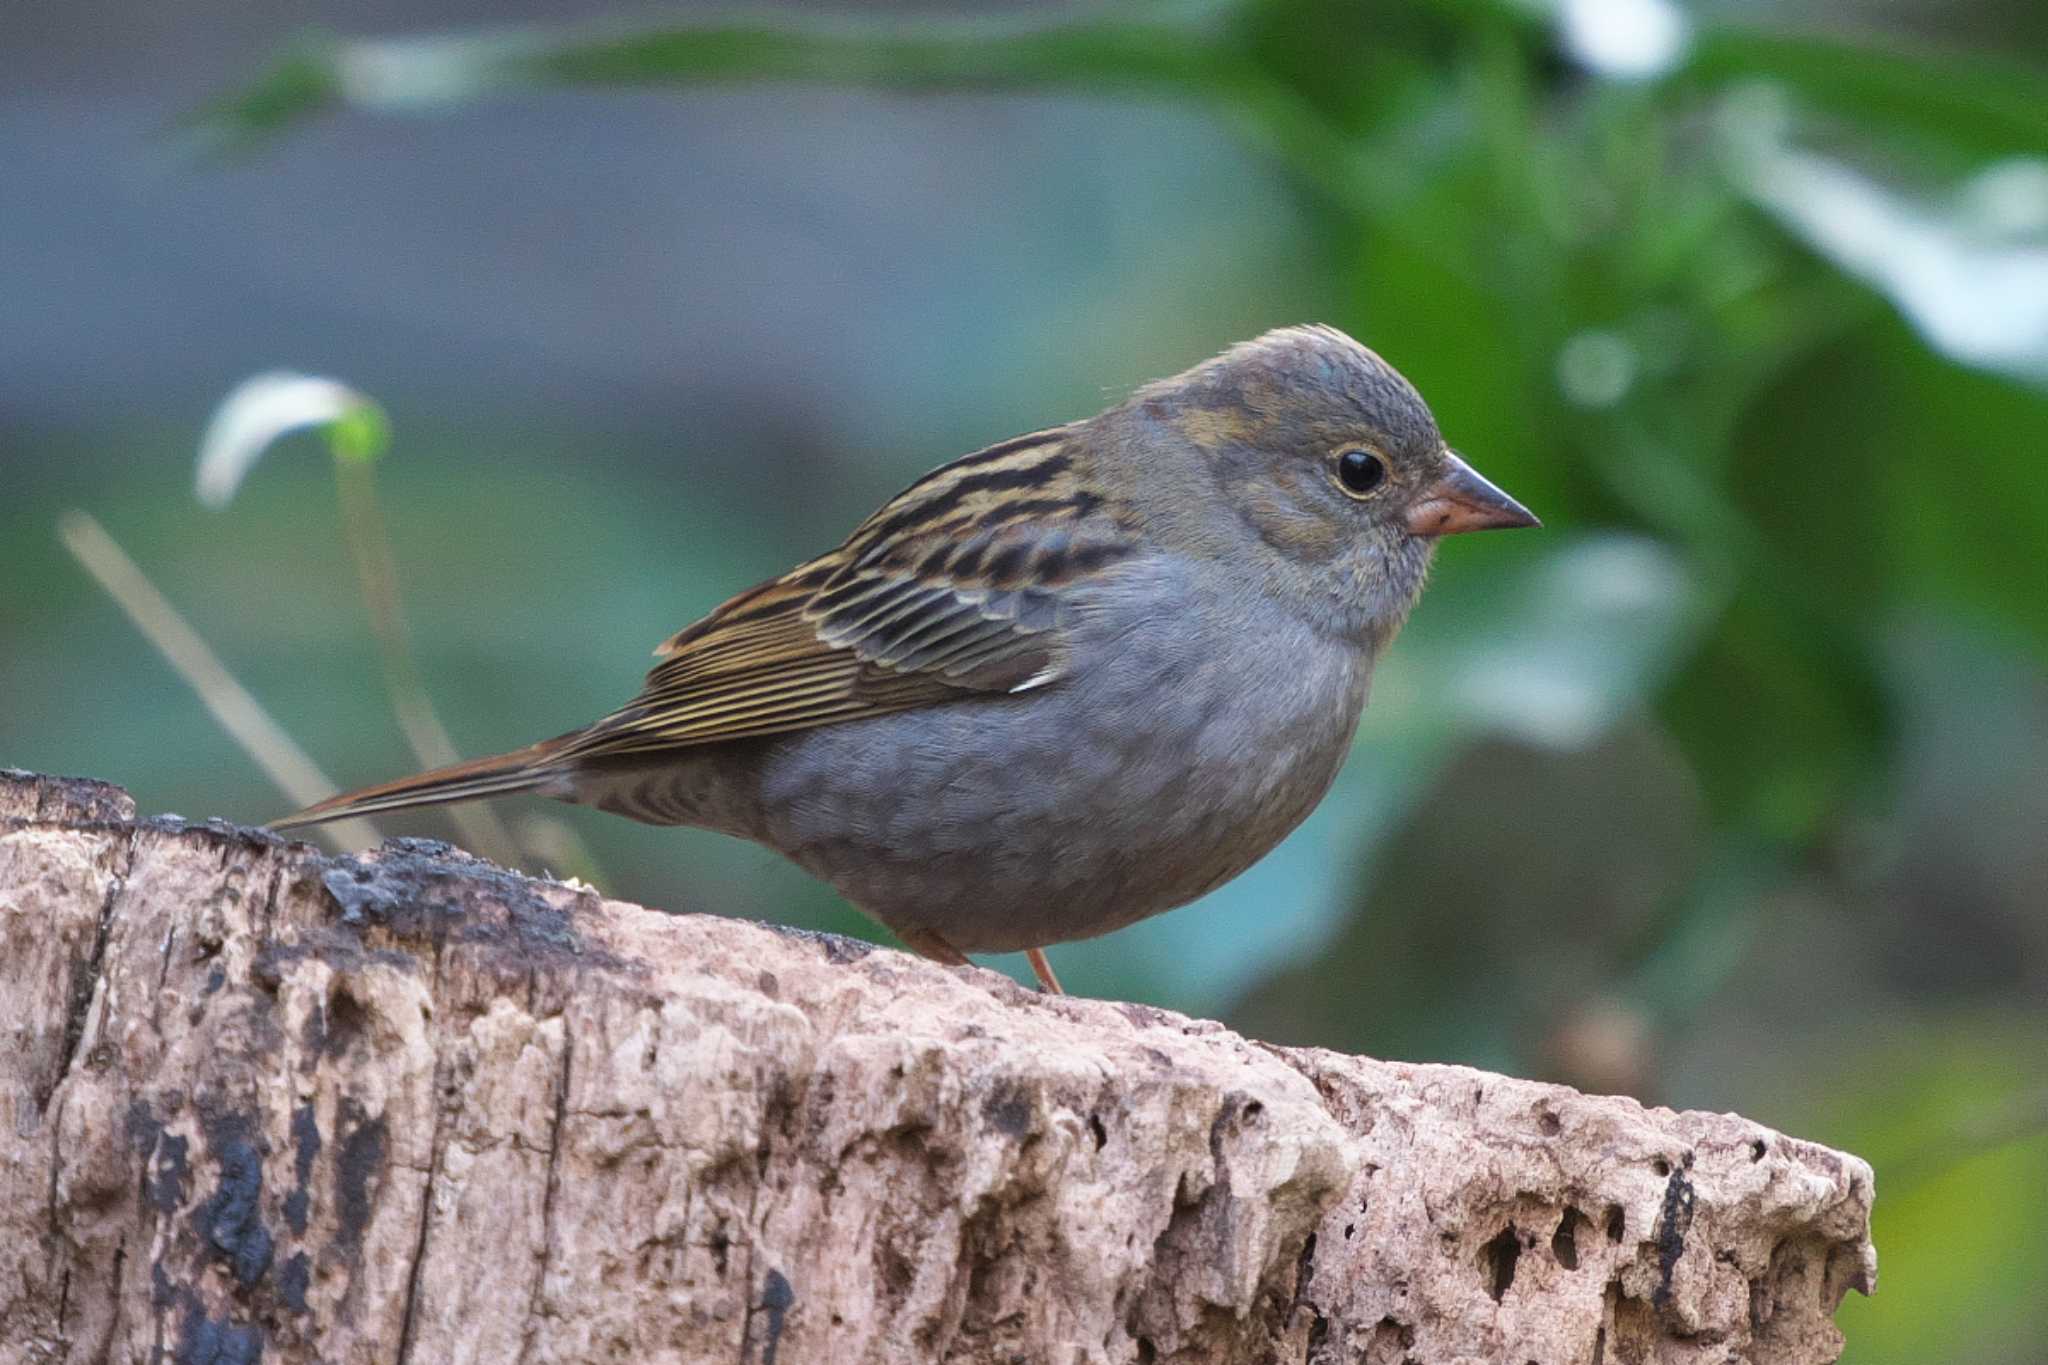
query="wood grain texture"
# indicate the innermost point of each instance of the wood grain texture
(258, 1104)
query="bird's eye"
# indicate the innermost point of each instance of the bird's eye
(1361, 472)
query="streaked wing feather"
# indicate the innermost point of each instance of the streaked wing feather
(953, 588)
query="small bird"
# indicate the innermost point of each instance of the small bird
(1058, 685)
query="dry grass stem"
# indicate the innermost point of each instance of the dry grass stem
(377, 569)
(239, 713)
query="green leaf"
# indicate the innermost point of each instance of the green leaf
(300, 85)
(1992, 103)
(1953, 1116)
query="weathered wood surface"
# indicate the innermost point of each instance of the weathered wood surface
(259, 1104)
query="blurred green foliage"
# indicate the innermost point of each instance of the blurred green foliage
(1644, 802)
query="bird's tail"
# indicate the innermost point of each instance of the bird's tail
(537, 767)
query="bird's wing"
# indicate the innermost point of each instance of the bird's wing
(960, 585)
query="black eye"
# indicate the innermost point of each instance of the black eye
(1360, 471)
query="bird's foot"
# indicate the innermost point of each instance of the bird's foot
(927, 944)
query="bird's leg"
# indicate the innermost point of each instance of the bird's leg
(927, 944)
(1047, 982)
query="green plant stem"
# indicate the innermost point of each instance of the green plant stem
(1168, 47)
(2021, 1116)
(362, 521)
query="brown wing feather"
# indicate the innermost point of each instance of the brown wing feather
(954, 587)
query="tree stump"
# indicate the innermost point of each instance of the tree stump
(266, 1105)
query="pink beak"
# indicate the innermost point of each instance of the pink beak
(1462, 500)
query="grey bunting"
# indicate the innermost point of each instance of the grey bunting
(1071, 680)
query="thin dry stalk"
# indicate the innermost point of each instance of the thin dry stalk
(377, 568)
(239, 713)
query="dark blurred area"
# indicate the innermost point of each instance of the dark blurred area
(1728, 789)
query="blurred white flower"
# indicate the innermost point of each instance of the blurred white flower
(412, 73)
(2009, 198)
(1970, 274)
(1629, 40)
(1596, 621)
(255, 415)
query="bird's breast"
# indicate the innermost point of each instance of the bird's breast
(1177, 750)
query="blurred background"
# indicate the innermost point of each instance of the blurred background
(1728, 789)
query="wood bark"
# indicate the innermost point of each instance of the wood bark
(258, 1104)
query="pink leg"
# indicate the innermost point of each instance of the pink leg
(1047, 982)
